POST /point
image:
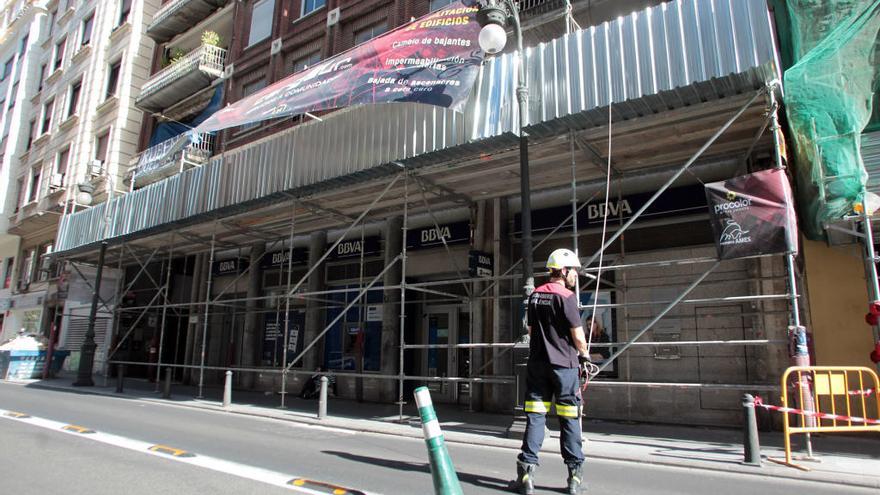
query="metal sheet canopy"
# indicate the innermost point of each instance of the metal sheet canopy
(664, 57)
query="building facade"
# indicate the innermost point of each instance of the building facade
(75, 132)
(383, 242)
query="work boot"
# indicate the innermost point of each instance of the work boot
(525, 477)
(574, 479)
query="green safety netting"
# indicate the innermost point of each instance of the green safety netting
(829, 93)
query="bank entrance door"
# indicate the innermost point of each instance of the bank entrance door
(441, 325)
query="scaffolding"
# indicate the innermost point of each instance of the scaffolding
(490, 359)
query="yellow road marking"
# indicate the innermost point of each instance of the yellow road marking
(323, 487)
(77, 429)
(164, 449)
(13, 414)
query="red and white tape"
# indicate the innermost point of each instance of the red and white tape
(866, 392)
(838, 417)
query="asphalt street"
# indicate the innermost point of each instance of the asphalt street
(40, 460)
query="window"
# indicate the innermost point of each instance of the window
(32, 129)
(247, 90)
(52, 16)
(87, 25)
(13, 97)
(102, 142)
(26, 268)
(310, 6)
(42, 78)
(304, 63)
(261, 21)
(113, 79)
(63, 161)
(7, 272)
(59, 55)
(48, 108)
(19, 195)
(439, 4)
(370, 32)
(7, 68)
(73, 99)
(124, 11)
(34, 187)
(45, 263)
(23, 46)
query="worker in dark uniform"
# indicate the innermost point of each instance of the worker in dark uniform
(556, 350)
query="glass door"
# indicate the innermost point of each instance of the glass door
(440, 328)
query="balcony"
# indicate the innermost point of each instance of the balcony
(192, 73)
(169, 158)
(179, 16)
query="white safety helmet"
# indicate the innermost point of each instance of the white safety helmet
(563, 258)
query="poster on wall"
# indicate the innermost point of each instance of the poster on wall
(433, 60)
(752, 215)
(273, 337)
(605, 332)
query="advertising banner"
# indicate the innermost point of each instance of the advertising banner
(752, 215)
(433, 60)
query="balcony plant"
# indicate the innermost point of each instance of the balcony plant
(211, 38)
(173, 56)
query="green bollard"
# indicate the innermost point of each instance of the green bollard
(442, 470)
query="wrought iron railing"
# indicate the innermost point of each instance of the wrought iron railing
(527, 6)
(206, 58)
(170, 153)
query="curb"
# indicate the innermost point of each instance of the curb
(481, 440)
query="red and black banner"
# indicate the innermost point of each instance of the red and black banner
(752, 215)
(432, 60)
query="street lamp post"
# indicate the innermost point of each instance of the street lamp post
(87, 351)
(494, 16)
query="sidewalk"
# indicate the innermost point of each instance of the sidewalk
(852, 459)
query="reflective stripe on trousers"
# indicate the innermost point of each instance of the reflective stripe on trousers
(547, 383)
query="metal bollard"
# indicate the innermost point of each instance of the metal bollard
(120, 377)
(227, 389)
(751, 447)
(322, 401)
(166, 390)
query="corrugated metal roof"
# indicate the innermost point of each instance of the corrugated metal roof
(871, 157)
(661, 58)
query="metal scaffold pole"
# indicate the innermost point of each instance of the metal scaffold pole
(207, 315)
(402, 323)
(165, 289)
(675, 176)
(287, 303)
(797, 332)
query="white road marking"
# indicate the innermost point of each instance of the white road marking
(241, 470)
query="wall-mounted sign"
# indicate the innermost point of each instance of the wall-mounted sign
(374, 312)
(278, 259)
(227, 267)
(354, 247)
(480, 264)
(434, 235)
(687, 200)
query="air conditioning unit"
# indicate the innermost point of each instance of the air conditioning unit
(276, 47)
(228, 71)
(56, 181)
(96, 168)
(333, 17)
